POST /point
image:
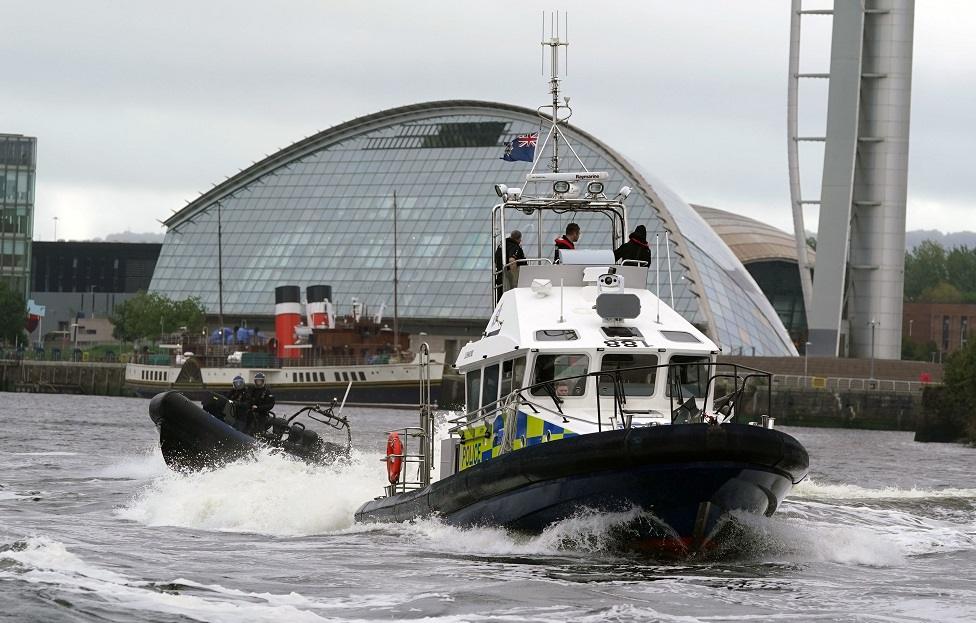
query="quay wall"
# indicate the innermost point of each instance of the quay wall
(63, 377)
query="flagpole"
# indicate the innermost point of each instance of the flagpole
(396, 311)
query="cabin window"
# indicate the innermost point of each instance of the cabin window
(338, 378)
(638, 382)
(556, 367)
(622, 332)
(489, 386)
(345, 376)
(689, 372)
(472, 382)
(556, 335)
(681, 336)
(513, 373)
(362, 376)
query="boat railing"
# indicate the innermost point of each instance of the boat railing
(740, 385)
(417, 453)
(415, 464)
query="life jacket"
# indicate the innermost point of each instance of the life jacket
(563, 242)
(639, 242)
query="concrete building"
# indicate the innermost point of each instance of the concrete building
(321, 212)
(855, 301)
(18, 166)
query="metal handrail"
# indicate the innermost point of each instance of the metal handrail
(619, 396)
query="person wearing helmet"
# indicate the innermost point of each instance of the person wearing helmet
(261, 401)
(238, 402)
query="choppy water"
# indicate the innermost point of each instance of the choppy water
(94, 528)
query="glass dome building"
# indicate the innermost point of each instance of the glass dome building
(321, 212)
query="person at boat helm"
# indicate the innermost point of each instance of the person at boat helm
(260, 402)
(567, 240)
(636, 248)
(506, 277)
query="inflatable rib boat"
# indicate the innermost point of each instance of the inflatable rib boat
(192, 438)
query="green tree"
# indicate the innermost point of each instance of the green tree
(959, 380)
(961, 269)
(13, 314)
(924, 267)
(148, 315)
(941, 292)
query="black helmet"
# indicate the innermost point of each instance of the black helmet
(259, 379)
(238, 382)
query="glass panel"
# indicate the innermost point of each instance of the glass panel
(690, 374)
(473, 385)
(556, 335)
(555, 367)
(518, 373)
(506, 387)
(680, 336)
(489, 387)
(635, 382)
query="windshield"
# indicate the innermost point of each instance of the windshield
(555, 367)
(690, 373)
(635, 382)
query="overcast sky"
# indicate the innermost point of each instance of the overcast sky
(139, 107)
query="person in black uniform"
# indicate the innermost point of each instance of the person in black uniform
(234, 410)
(260, 402)
(636, 248)
(567, 240)
(506, 277)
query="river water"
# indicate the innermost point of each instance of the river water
(93, 527)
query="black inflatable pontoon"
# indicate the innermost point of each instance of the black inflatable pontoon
(687, 477)
(191, 438)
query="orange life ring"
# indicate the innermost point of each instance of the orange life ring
(394, 457)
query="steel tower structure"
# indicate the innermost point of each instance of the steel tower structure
(854, 302)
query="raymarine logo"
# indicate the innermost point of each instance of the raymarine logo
(587, 176)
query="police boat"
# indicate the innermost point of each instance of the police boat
(195, 436)
(588, 393)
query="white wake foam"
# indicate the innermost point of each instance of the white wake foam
(585, 532)
(810, 488)
(270, 494)
(149, 464)
(39, 560)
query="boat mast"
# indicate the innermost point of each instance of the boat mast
(554, 43)
(396, 310)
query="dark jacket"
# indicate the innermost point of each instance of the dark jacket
(513, 249)
(562, 242)
(261, 398)
(634, 249)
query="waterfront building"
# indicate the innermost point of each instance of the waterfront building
(769, 254)
(321, 211)
(75, 280)
(938, 329)
(18, 165)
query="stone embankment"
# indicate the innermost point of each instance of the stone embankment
(63, 377)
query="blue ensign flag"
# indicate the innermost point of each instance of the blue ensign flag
(522, 147)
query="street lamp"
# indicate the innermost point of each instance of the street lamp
(874, 323)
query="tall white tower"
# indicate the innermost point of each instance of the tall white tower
(854, 306)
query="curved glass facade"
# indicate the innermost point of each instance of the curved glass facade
(321, 211)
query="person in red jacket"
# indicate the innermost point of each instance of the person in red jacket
(567, 240)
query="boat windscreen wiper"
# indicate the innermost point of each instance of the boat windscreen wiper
(556, 400)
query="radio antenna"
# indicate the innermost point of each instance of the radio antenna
(667, 245)
(657, 273)
(555, 44)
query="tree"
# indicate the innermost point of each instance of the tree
(13, 314)
(961, 269)
(959, 380)
(151, 314)
(941, 292)
(924, 267)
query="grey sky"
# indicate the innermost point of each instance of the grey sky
(138, 107)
